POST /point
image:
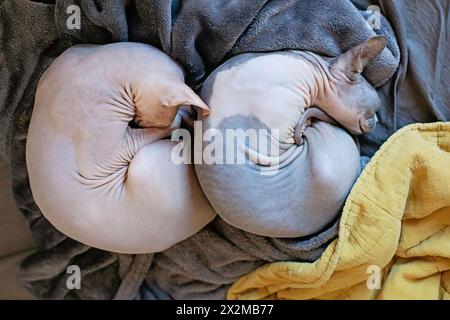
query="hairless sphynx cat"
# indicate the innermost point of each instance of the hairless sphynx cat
(315, 163)
(346, 94)
(114, 187)
(94, 177)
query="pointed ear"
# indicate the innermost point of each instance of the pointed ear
(180, 94)
(353, 61)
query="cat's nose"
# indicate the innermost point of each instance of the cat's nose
(370, 123)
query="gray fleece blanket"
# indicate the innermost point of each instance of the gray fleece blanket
(201, 35)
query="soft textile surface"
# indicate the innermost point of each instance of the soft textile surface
(397, 217)
(419, 91)
(417, 95)
(416, 26)
(205, 265)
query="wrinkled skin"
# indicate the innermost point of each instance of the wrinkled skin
(94, 177)
(344, 93)
(316, 162)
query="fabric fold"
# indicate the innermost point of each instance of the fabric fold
(395, 223)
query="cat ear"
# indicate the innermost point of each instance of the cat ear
(354, 60)
(178, 95)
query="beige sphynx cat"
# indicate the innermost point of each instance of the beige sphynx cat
(94, 177)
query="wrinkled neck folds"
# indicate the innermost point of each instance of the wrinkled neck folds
(315, 74)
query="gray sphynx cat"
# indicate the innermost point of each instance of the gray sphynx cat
(315, 163)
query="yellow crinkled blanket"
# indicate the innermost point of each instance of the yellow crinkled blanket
(396, 219)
